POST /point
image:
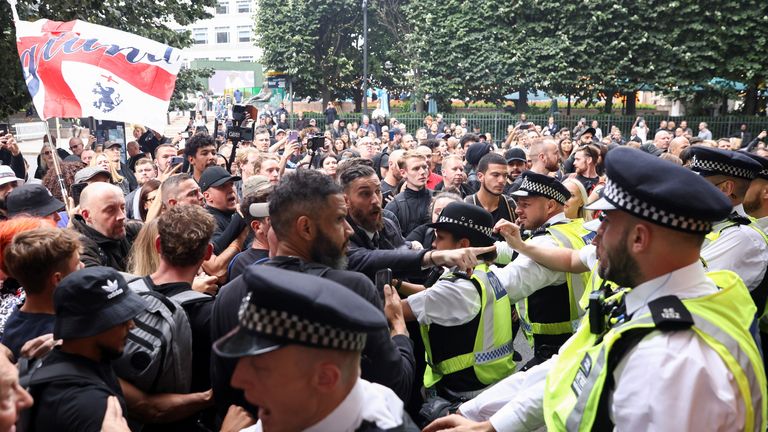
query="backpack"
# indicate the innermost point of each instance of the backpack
(33, 375)
(158, 352)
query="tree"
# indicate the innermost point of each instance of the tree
(314, 40)
(145, 18)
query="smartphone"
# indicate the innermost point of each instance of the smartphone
(185, 135)
(391, 135)
(293, 136)
(176, 160)
(383, 277)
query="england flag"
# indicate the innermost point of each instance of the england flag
(78, 69)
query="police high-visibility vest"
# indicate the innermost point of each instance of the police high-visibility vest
(571, 235)
(491, 355)
(760, 293)
(572, 395)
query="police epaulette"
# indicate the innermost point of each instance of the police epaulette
(669, 314)
(455, 274)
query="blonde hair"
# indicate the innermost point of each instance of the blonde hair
(115, 176)
(54, 153)
(144, 259)
(583, 213)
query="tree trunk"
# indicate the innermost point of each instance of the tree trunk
(568, 108)
(325, 92)
(608, 108)
(631, 103)
(358, 98)
(522, 103)
(750, 100)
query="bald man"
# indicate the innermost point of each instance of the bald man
(677, 145)
(102, 226)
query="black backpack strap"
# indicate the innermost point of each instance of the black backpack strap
(669, 314)
(61, 372)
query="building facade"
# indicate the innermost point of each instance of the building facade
(226, 36)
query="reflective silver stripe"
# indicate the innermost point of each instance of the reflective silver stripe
(575, 417)
(734, 348)
(490, 297)
(576, 289)
(494, 354)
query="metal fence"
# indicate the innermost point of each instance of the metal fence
(497, 122)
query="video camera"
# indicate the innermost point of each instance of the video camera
(315, 142)
(237, 132)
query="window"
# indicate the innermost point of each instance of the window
(222, 35)
(243, 6)
(222, 58)
(222, 7)
(243, 33)
(246, 59)
(200, 36)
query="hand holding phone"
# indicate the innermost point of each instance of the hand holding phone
(383, 277)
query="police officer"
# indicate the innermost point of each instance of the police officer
(735, 243)
(547, 300)
(298, 343)
(465, 320)
(674, 354)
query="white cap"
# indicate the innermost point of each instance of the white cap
(7, 175)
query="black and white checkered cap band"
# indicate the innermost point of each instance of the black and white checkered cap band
(467, 223)
(721, 168)
(542, 189)
(282, 324)
(622, 199)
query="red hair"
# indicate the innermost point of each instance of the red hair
(11, 227)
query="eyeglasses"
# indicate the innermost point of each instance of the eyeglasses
(46, 153)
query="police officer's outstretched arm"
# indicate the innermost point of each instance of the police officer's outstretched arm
(557, 259)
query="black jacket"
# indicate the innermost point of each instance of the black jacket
(229, 225)
(411, 208)
(388, 251)
(464, 189)
(15, 162)
(99, 250)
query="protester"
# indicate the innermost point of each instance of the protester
(94, 311)
(105, 235)
(38, 259)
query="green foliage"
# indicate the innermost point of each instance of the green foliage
(146, 18)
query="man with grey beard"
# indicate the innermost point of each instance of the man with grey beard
(308, 215)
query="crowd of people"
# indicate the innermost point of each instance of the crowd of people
(368, 277)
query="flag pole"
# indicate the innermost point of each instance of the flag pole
(57, 168)
(13, 10)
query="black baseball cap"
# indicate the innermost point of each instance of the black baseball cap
(515, 154)
(32, 199)
(91, 301)
(215, 176)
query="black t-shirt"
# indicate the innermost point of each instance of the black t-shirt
(76, 405)
(22, 327)
(244, 259)
(199, 314)
(588, 182)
